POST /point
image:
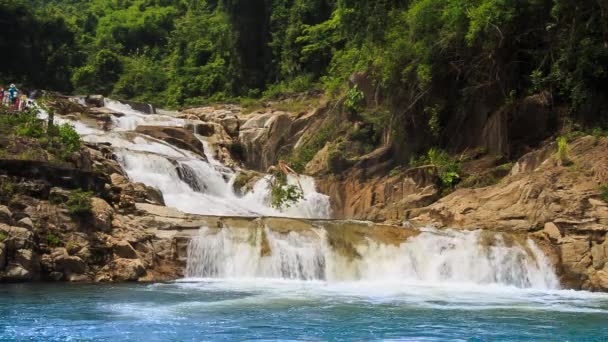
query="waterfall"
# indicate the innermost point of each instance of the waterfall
(432, 257)
(188, 182)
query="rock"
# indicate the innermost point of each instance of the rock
(262, 137)
(123, 249)
(6, 216)
(122, 270)
(552, 231)
(17, 238)
(17, 273)
(102, 214)
(177, 136)
(599, 280)
(575, 254)
(245, 181)
(26, 223)
(25, 258)
(78, 278)
(94, 100)
(69, 264)
(2, 255)
(599, 254)
(55, 276)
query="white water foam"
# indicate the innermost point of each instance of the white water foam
(433, 257)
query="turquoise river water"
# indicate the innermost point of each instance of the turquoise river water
(258, 309)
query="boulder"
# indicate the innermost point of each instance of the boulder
(262, 137)
(17, 273)
(102, 214)
(26, 223)
(123, 249)
(177, 136)
(16, 237)
(552, 231)
(599, 254)
(122, 270)
(575, 255)
(25, 258)
(6, 216)
(94, 100)
(69, 264)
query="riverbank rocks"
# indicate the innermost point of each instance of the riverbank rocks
(121, 270)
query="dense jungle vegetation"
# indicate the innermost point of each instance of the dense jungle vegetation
(424, 68)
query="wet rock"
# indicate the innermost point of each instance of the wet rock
(123, 249)
(177, 136)
(94, 100)
(55, 276)
(78, 278)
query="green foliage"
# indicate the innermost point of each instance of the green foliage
(563, 151)
(7, 189)
(354, 99)
(284, 195)
(53, 240)
(448, 169)
(3, 236)
(79, 203)
(604, 192)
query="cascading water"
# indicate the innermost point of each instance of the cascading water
(432, 257)
(188, 182)
(204, 186)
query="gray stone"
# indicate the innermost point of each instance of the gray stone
(6, 216)
(123, 249)
(26, 223)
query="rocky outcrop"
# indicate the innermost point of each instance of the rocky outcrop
(380, 198)
(177, 136)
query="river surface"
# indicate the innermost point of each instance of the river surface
(231, 310)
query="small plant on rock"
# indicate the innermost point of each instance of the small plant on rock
(53, 240)
(354, 99)
(563, 151)
(3, 236)
(79, 203)
(604, 192)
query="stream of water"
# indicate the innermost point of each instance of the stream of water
(437, 286)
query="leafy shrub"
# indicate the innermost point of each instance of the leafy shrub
(354, 99)
(284, 195)
(53, 240)
(563, 151)
(79, 203)
(448, 168)
(3, 236)
(604, 192)
(69, 138)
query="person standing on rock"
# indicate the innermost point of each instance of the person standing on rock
(13, 96)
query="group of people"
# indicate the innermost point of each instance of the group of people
(13, 98)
